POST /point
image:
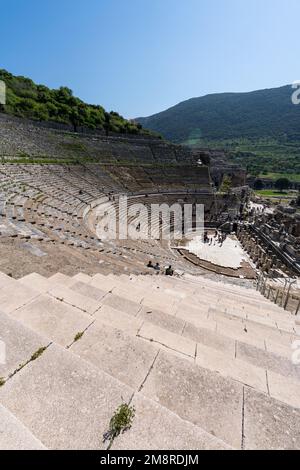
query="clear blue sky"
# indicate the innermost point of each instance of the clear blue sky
(139, 57)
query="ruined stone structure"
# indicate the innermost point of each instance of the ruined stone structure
(273, 240)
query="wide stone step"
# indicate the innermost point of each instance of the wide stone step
(65, 401)
(67, 404)
(259, 311)
(233, 345)
(236, 360)
(18, 345)
(222, 406)
(53, 319)
(14, 295)
(14, 435)
(157, 428)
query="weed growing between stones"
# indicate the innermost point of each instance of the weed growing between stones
(37, 354)
(2, 381)
(120, 422)
(78, 336)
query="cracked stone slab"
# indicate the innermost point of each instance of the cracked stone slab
(283, 350)
(159, 301)
(124, 357)
(20, 344)
(14, 435)
(197, 395)
(284, 389)
(270, 424)
(35, 281)
(236, 369)
(119, 320)
(196, 317)
(102, 282)
(87, 290)
(170, 340)
(161, 319)
(268, 360)
(61, 279)
(81, 277)
(157, 428)
(121, 303)
(15, 295)
(75, 299)
(238, 331)
(65, 402)
(54, 319)
(211, 339)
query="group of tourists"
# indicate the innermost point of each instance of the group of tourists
(218, 237)
(168, 271)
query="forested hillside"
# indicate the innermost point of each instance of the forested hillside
(26, 99)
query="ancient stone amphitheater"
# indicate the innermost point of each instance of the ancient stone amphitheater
(205, 360)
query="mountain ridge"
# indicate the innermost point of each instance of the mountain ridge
(245, 112)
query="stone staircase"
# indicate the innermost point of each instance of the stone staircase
(206, 365)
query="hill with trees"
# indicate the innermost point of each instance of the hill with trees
(26, 99)
(259, 129)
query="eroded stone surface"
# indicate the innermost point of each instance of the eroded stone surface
(156, 428)
(54, 319)
(14, 435)
(125, 357)
(65, 402)
(20, 344)
(270, 424)
(197, 395)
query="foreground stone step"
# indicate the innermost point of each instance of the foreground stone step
(20, 344)
(156, 428)
(269, 424)
(235, 360)
(261, 311)
(14, 435)
(65, 402)
(81, 287)
(53, 319)
(197, 395)
(40, 283)
(122, 356)
(75, 299)
(233, 368)
(14, 295)
(203, 336)
(214, 351)
(167, 339)
(218, 404)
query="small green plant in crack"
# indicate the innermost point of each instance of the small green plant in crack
(2, 381)
(120, 422)
(78, 336)
(37, 354)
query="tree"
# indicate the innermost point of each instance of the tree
(226, 184)
(258, 184)
(282, 183)
(107, 117)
